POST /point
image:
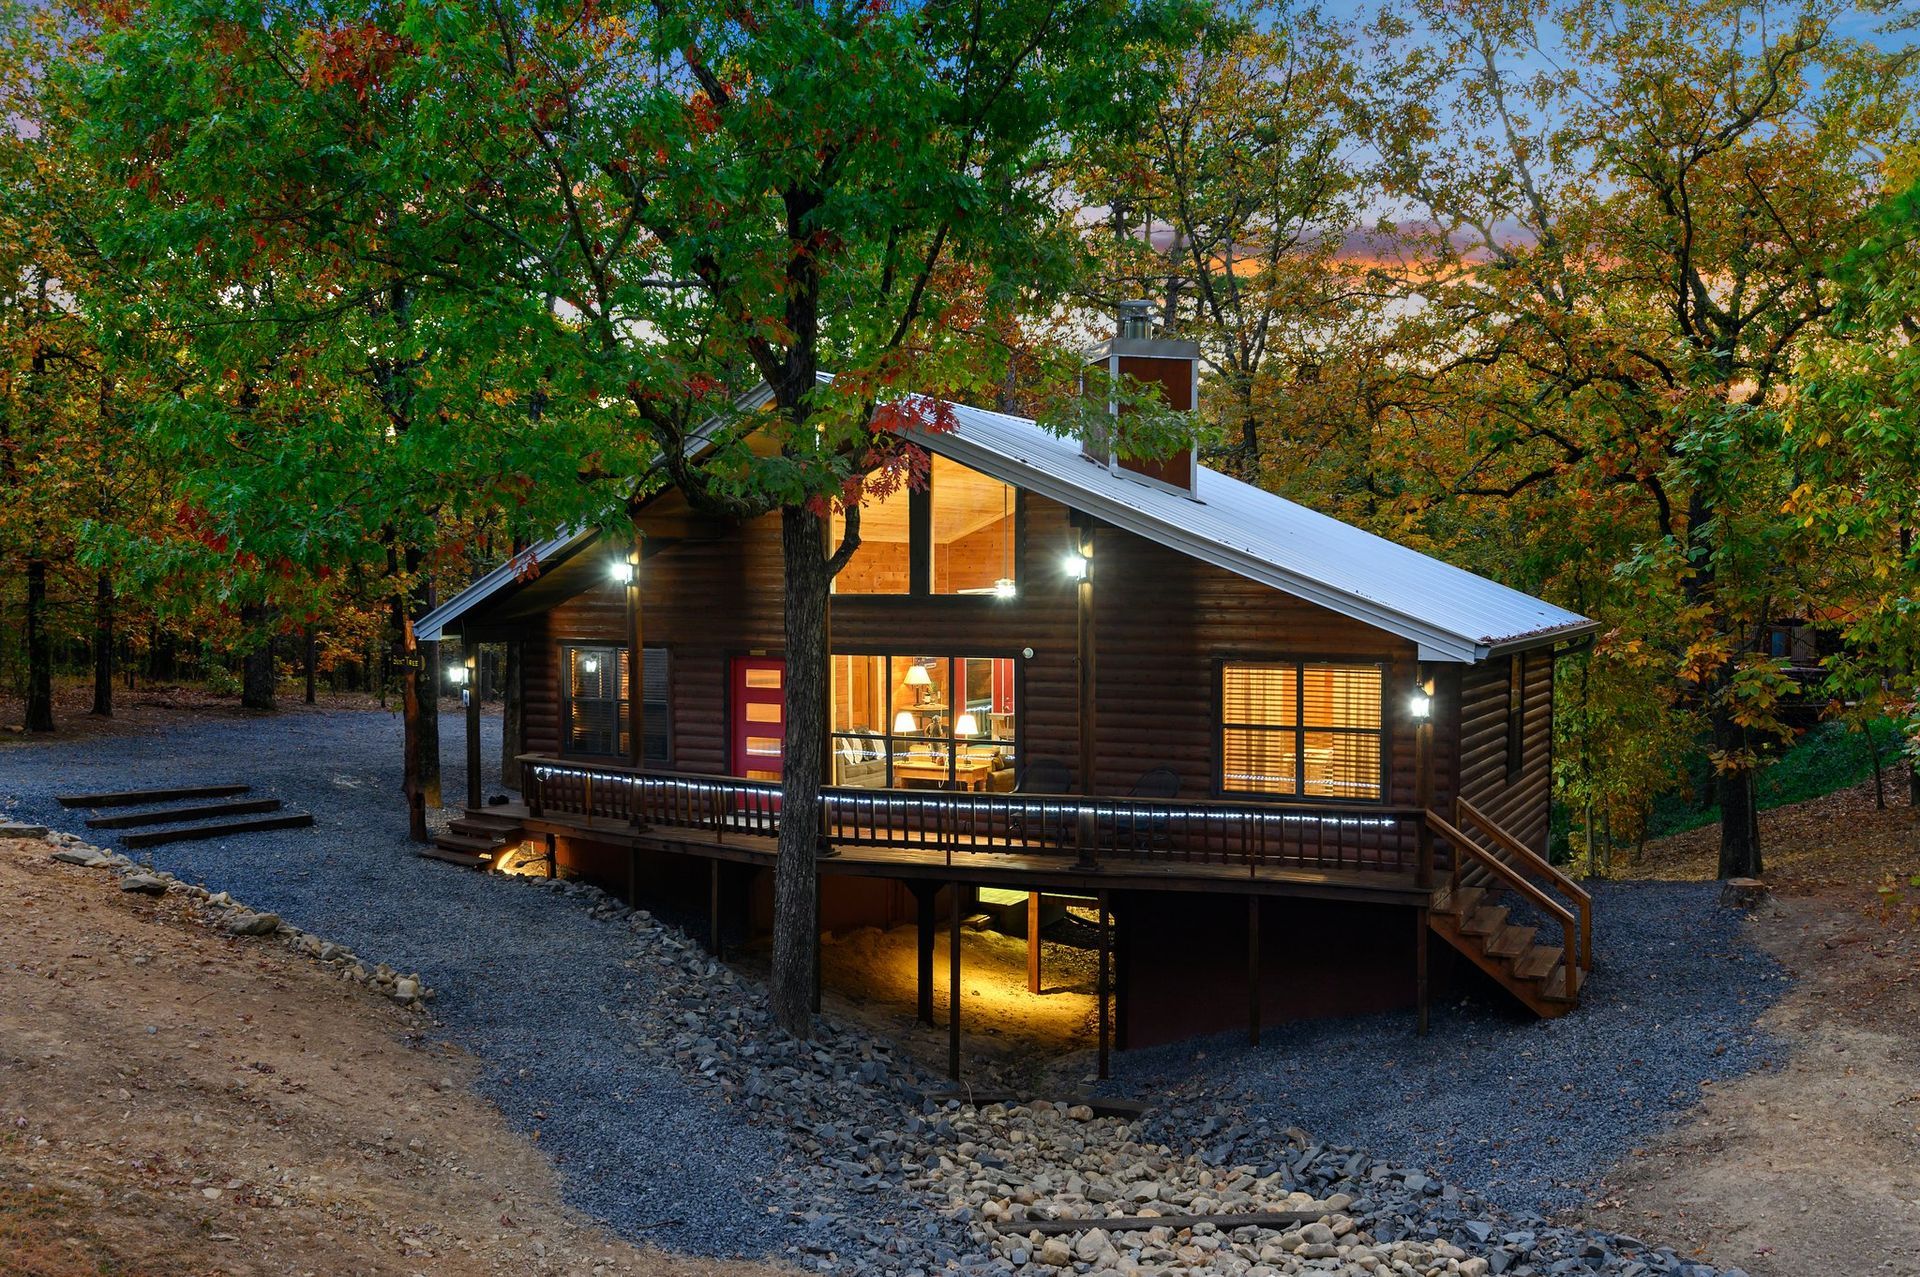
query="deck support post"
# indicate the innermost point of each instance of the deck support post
(1420, 971)
(553, 856)
(1087, 830)
(924, 924)
(1253, 971)
(953, 986)
(1033, 942)
(472, 694)
(713, 908)
(1106, 947)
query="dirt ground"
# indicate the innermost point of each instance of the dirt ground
(1000, 1022)
(151, 708)
(174, 1101)
(1813, 1167)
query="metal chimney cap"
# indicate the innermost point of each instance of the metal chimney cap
(1136, 318)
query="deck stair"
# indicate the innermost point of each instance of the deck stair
(1470, 911)
(474, 839)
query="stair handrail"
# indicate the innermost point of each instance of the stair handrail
(1464, 845)
(1540, 866)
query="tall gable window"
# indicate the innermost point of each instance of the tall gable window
(1301, 730)
(594, 702)
(956, 537)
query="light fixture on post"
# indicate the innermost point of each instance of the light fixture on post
(1075, 566)
(457, 675)
(1420, 705)
(621, 570)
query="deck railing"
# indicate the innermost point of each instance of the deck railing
(1083, 830)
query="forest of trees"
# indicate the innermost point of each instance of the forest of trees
(311, 310)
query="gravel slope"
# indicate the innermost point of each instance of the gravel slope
(1523, 1112)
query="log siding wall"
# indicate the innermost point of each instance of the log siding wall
(1163, 623)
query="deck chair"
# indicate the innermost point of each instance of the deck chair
(1042, 776)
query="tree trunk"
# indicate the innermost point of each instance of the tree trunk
(39, 651)
(513, 716)
(103, 645)
(311, 643)
(419, 665)
(796, 882)
(257, 676)
(1738, 792)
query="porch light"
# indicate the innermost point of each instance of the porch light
(904, 724)
(1003, 588)
(457, 675)
(621, 571)
(1075, 566)
(1420, 705)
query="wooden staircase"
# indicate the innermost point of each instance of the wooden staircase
(1470, 911)
(474, 838)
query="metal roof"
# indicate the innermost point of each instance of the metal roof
(1449, 613)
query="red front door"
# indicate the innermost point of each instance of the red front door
(759, 728)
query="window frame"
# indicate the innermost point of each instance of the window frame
(1299, 730)
(889, 738)
(566, 647)
(920, 555)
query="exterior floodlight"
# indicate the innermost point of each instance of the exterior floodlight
(1075, 566)
(621, 571)
(1003, 588)
(1420, 705)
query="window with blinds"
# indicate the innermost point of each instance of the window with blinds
(1301, 730)
(594, 681)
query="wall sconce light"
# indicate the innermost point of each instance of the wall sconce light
(457, 675)
(1075, 566)
(1003, 588)
(1420, 705)
(621, 571)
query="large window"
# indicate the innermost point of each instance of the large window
(955, 537)
(594, 702)
(1301, 730)
(923, 722)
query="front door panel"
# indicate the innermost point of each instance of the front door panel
(758, 707)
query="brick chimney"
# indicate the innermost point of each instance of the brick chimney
(1174, 366)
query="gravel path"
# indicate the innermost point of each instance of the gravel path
(1524, 1112)
(678, 1116)
(524, 977)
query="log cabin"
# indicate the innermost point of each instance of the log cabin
(1278, 755)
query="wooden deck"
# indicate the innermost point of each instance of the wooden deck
(1023, 871)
